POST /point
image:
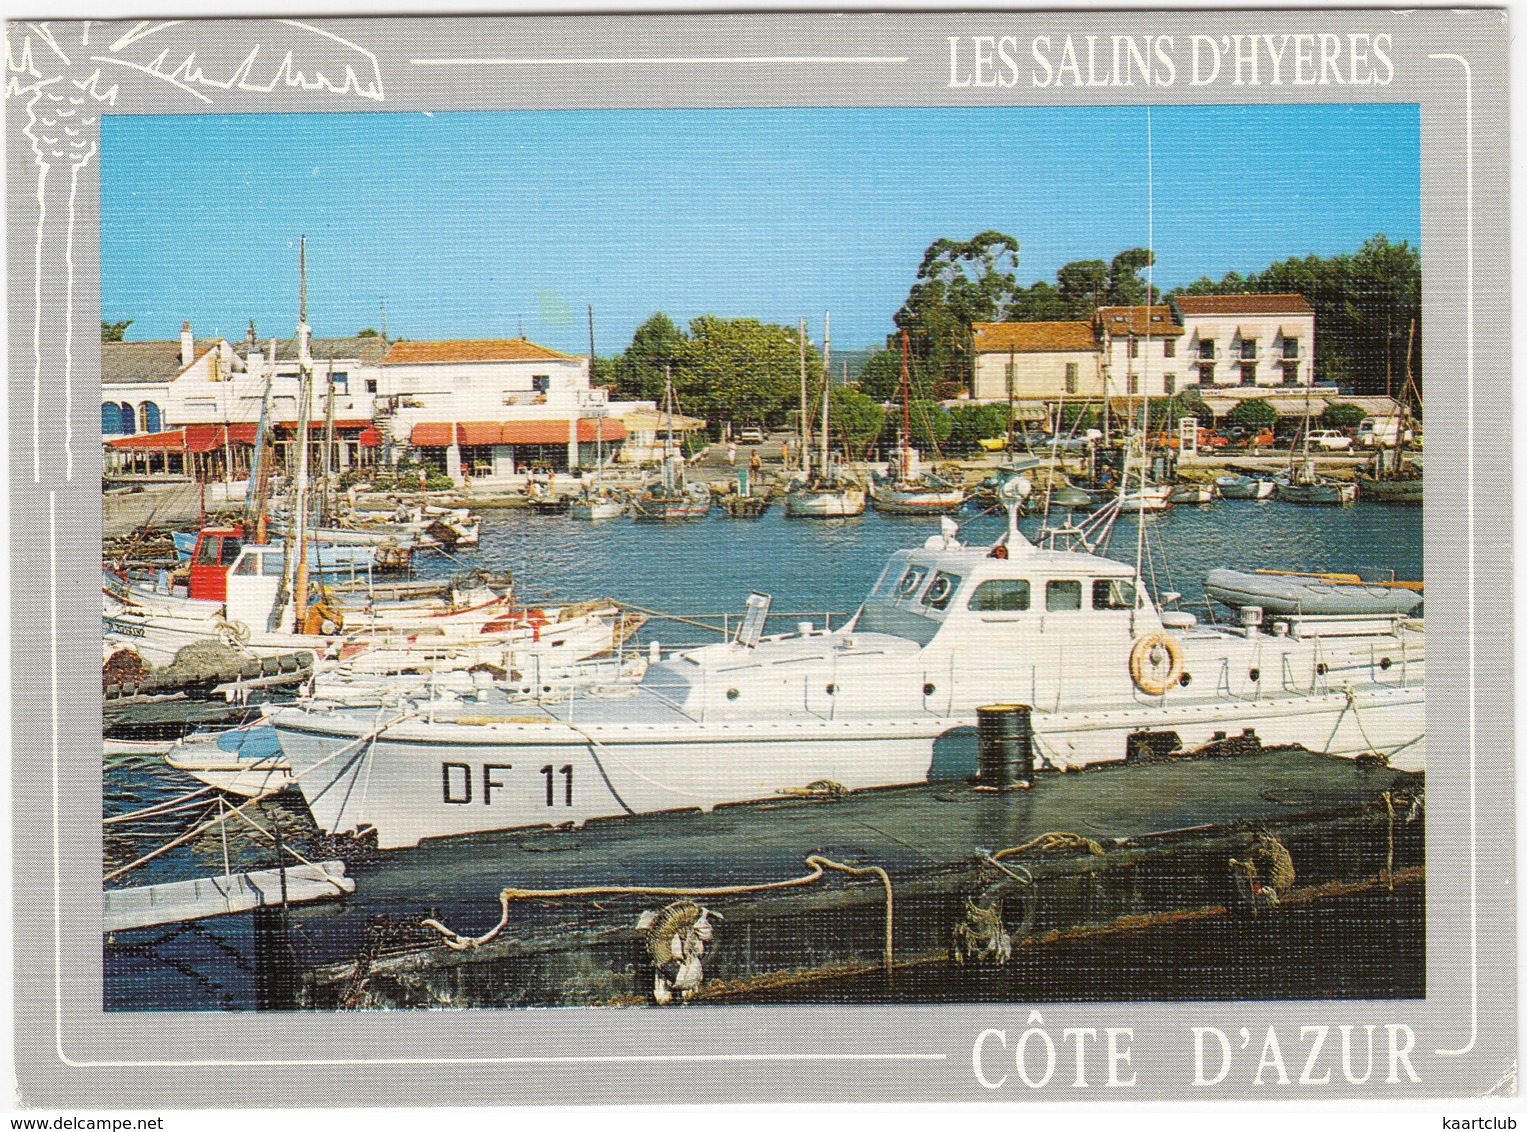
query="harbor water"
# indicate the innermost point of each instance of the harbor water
(694, 571)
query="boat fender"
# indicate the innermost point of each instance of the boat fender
(1147, 658)
(676, 939)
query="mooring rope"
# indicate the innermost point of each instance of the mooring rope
(1047, 841)
(199, 830)
(158, 807)
(818, 864)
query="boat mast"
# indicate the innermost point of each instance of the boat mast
(805, 430)
(668, 436)
(906, 410)
(826, 382)
(304, 403)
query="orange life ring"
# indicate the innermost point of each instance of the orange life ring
(1147, 656)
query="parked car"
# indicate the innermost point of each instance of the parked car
(1207, 438)
(1242, 437)
(1330, 439)
(750, 436)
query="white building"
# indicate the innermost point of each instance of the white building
(1035, 361)
(493, 407)
(1142, 351)
(1248, 340)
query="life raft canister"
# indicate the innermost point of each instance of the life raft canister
(1155, 663)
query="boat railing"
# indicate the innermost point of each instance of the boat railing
(726, 624)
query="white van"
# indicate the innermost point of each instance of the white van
(1381, 432)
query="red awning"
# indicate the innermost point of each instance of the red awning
(439, 434)
(479, 432)
(192, 438)
(370, 438)
(433, 434)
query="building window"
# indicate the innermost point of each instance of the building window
(1169, 347)
(111, 419)
(129, 418)
(371, 385)
(1071, 372)
(1007, 370)
(1134, 346)
(1134, 384)
(1169, 381)
(148, 417)
(342, 377)
(1248, 349)
(1249, 373)
(1290, 373)
(541, 382)
(1206, 348)
(1206, 374)
(1290, 347)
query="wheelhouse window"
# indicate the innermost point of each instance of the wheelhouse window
(1062, 596)
(1001, 595)
(940, 590)
(207, 551)
(1113, 593)
(911, 580)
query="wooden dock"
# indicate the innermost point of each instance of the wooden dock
(149, 905)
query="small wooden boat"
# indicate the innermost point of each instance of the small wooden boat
(1151, 497)
(1279, 592)
(550, 504)
(1243, 487)
(693, 502)
(1313, 489)
(917, 497)
(1191, 493)
(824, 499)
(1387, 489)
(597, 506)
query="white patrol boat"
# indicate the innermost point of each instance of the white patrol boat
(889, 699)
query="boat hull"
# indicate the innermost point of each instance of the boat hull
(1391, 491)
(413, 780)
(932, 502)
(836, 504)
(1326, 493)
(1243, 487)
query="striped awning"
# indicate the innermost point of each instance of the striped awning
(441, 434)
(191, 438)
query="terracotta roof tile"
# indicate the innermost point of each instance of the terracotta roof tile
(1157, 321)
(1242, 304)
(478, 350)
(1033, 337)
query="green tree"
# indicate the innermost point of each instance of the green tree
(368, 332)
(639, 370)
(1125, 287)
(1253, 414)
(741, 369)
(1076, 418)
(856, 418)
(113, 331)
(1342, 415)
(1039, 302)
(959, 283)
(972, 423)
(880, 378)
(931, 423)
(1083, 286)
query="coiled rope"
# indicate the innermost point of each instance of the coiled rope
(818, 866)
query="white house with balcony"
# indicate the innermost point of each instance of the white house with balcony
(495, 407)
(1248, 340)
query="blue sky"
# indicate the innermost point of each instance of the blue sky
(473, 225)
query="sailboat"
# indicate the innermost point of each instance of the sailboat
(907, 494)
(599, 502)
(1301, 483)
(827, 495)
(672, 497)
(1391, 478)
